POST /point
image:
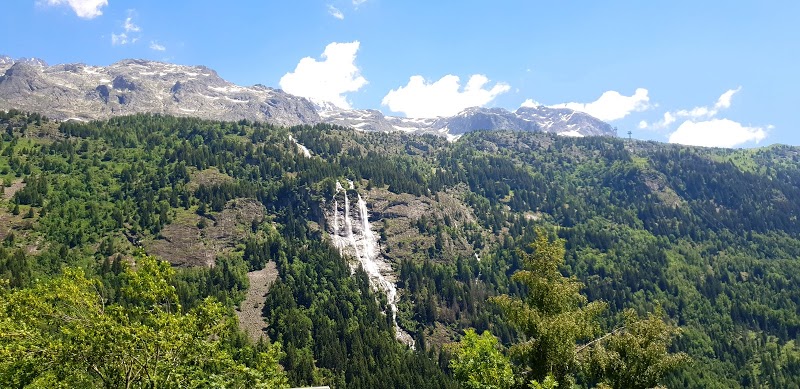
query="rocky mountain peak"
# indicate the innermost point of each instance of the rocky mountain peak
(134, 85)
(6, 60)
(565, 121)
(33, 62)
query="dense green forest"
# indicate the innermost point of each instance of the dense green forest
(682, 259)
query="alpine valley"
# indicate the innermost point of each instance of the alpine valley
(161, 226)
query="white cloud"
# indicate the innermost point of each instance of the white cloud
(612, 105)
(356, 3)
(530, 103)
(129, 33)
(335, 12)
(669, 118)
(724, 101)
(119, 39)
(701, 127)
(643, 124)
(421, 99)
(156, 46)
(86, 9)
(697, 113)
(329, 79)
(716, 133)
(129, 26)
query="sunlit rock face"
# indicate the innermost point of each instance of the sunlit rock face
(83, 92)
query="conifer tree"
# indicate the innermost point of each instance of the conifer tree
(553, 317)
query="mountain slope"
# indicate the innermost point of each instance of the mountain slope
(710, 235)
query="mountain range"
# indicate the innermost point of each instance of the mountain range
(85, 92)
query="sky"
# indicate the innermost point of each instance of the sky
(709, 73)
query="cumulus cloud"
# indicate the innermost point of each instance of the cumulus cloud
(530, 103)
(329, 79)
(421, 99)
(335, 12)
(701, 127)
(612, 105)
(697, 113)
(716, 133)
(669, 118)
(156, 46)
(86, 9)
(724, 101)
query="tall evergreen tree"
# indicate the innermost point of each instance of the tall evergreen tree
(553, 317)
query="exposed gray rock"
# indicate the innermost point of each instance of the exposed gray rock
(5, 62)
(559, 121)
(133, 86)
(477, 118)
(78, 91)
(565, 121)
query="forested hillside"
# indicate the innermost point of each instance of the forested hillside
(661, 237)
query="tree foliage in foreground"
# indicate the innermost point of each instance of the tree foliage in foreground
(554, 318)
(636, 356)
(478, 362)
(64, 333)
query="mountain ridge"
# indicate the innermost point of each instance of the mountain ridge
(129, 86)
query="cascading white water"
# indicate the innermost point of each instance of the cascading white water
(335, 217)
(303, 149)
(348, 228)
(361, 239)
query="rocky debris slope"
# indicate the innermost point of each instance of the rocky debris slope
(251, 320)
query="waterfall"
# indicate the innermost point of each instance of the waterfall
(335, 217)
(348, 227)
(358, 239)
(372, 265)
(303, 149)
(369, 241)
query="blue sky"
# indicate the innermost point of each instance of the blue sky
(719, 73)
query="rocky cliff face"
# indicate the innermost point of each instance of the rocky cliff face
(83, 92)
(132, 86)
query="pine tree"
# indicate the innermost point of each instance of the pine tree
(553, 317)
